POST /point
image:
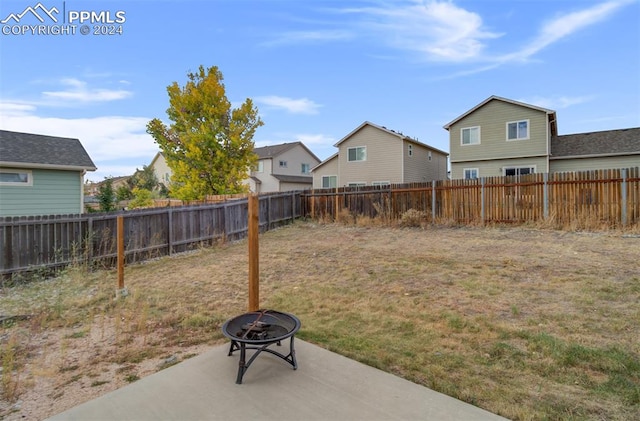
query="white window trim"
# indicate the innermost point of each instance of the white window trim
(328, 176)
(464, 173)
(515, 167)
(410, 150)
(283, 164)
(381, 183)
(468, 128)
(302, 171)
(516, 122)
(357, 147)
(357, 184)
(29, 182)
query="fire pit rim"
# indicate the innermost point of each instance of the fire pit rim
(272, 313)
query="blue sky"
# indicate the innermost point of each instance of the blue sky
(316, 69)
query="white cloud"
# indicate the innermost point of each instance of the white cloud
(291, 105)
(440, 31)
(565, 25)
(79, 91)
(117, 145)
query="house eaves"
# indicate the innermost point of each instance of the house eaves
(621, 142)
(551, 115)
(28, 150)
(293, 178)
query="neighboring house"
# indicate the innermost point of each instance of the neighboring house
(41, 175)
(161, 169)
(282, 168)
(596, 150)
(502, 137)
(92, 189)
(375, 155)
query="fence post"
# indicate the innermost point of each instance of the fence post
(624, 203)
(170, 231)
(433, 201)
(120, 238)
(482, 199)
(545, 195)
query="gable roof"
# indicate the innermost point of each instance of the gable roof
(272, 151)
(550, 113)
(27, 150)
(603, 143)
(399, 135)
(332, 157)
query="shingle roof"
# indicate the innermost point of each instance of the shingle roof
(610, 142)
(41, 151)
(272, 151)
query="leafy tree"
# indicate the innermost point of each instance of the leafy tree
(144, 179)
(208, 145)
(123, 193)
(142, 198)
(106, 196)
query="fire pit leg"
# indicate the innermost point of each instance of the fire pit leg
(242, 367)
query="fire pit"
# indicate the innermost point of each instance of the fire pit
(258, 330)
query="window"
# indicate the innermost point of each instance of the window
(259, 166)
(16, 178)
(518, 130)
(356, 184)
(305, 168)
(470, 136)
(329, 181)
(283, 164)
(410, 150)
(381, 183)
(429, 155)
(519, 171)
(357, 154)
(470, 173)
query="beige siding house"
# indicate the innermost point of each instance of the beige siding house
(161, 169)
(375, 155)
(501, 137)
(282, 167)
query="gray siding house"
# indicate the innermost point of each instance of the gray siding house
(375, 155)
(282, 167)
(502, 137)
(41, 175)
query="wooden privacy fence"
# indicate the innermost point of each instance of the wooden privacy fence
(610, 197)
(50, 242)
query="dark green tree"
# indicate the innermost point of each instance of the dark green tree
(106, 196)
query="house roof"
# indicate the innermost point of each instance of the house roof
(603, 143)
(550, 113)
(272, 151)
(293, 178)
(399, 135)
(27, 150)
(332, 157)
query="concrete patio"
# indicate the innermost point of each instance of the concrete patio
(326, 386)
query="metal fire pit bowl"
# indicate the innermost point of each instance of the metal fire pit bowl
(258, 330)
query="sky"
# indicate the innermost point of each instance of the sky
(316, 70)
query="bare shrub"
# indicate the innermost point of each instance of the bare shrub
(412, 218)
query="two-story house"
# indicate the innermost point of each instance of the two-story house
(374, 155)
(282, 167)
(503, 137)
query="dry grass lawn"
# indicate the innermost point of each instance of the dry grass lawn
(526, 323)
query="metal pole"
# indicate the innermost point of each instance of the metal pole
(623, 199)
